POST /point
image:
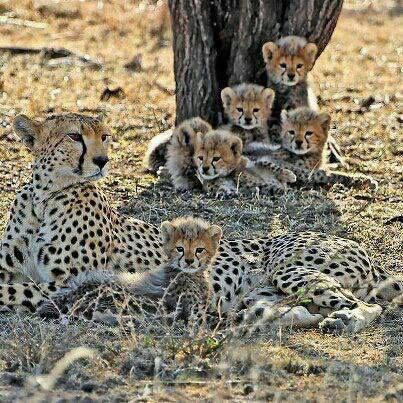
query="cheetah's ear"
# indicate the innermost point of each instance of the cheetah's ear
(284, 115)
(269, 50)
(324, 119)
(27, 130)
(268, 96)
(185, 135)
(310, 51)
(227, 95)
(167, 230)
(236, 146)
(216, 233)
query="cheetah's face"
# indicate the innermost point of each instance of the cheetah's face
(67, 146)
(190, 243)
(248, 108)
(305, 137)
(288, 69)
(217, 154)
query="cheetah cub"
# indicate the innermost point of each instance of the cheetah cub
(177, 143)
(248, 108)
(191, 245)
(180, 151)
(288, 62)
(304, 135)
(222, 169)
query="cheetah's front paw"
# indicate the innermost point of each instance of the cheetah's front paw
(350, 320)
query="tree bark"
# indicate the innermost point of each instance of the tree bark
(218, 43)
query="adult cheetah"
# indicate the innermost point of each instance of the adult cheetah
(61, 225)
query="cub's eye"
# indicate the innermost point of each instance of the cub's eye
(239, 109)
(200, 158)
(215, 159)
(255, 110)
(308, 133)
(291, 132)
(179, 249)
(283, 65)
(104, 137)
(199, 250)
(75, 136)
(299, 65)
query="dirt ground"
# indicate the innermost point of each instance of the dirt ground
(359, 82)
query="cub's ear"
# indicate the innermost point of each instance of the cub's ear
(167, 230)
(185, 135)
(216, 233)
(227, 95)
(310, 51)
(27, 130)
(284, 115)
(236, 146)
(269, 50)
(325, 119)
(268, 96)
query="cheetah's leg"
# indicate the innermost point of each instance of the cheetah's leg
(322, 177)
(323, 291)
(26, 295)
(15, 260)
(265, 306)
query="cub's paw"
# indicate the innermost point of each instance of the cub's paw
(366, 182)
(225, 194)
(287, 176)
(163, 173)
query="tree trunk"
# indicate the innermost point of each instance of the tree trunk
(218, 43)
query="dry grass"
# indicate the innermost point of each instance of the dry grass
(361, 61)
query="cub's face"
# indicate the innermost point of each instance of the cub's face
(67, 146)
(288, 69)
(217, 154)
(305, 137)
(188, 245)
(249, 108)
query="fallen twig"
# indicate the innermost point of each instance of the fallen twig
(50, 53)
(4, 20)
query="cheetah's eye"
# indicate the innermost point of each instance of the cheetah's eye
(256, 110)
(308, 133)
(75, 136)
(291, 132)
(299, 65)
(215, 159)
(180, 249)
(283, 65)
(104, 137)
(239, 110)
(199, 250)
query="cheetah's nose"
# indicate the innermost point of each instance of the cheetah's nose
(100, 161)
(291, 76)
(205, 169)
(189, 261)
(248, 120)
(298, 143)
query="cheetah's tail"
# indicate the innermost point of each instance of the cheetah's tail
(156, 151)
(387, 290)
